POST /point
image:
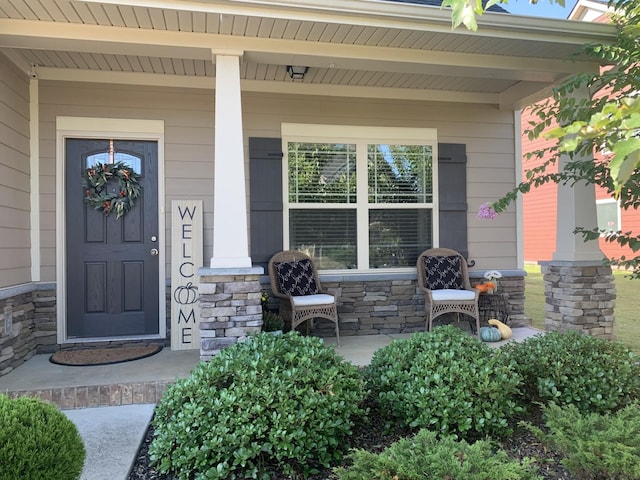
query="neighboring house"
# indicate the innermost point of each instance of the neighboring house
(539, 205)
(413, 125)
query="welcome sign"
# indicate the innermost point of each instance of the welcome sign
(186, 258)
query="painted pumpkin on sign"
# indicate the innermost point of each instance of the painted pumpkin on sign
(186, 294)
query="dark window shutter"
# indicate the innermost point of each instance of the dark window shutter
(265, 170)
(452, 186)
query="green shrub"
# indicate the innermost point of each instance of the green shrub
(445, 380)
(38, 442)
(271, 321)
(573, 369)
(602, 447)
(424, 457)
(282, 402)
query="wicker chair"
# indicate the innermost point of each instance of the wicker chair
(444, 278)
(299, 290)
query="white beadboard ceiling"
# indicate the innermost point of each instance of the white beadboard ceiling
(394, 49)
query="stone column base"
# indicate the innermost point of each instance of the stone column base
(579, 296)
(230, 307)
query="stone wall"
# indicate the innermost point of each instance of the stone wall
(376, 306)
(45, 319)
(230, 307)
(17, 331)
(27, 323)
(579, 296)
(232, 310)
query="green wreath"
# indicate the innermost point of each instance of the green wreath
(95, 181)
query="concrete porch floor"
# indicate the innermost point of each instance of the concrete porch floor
(143, 381)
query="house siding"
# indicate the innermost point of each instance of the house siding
(15, 254)
(188, 115)
(486, 132)
(539, 205)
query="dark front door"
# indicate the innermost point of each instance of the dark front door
(112, 263)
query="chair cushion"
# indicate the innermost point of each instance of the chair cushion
(296, 278)
(452, 294)
(310, 300)
(443, 272)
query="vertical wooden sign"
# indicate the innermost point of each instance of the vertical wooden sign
(186, 258)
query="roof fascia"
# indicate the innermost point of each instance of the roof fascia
(391, 15)
(114, 40)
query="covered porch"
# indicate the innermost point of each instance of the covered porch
(210, 86)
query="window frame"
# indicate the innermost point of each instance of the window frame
(361, 136)
(610, 201)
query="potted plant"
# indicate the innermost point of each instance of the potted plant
(272, 322)
(492, 276)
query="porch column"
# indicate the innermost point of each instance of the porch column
(579, 290)
(229, 291)
(576, 208)
(230, 239)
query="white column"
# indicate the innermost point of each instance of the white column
(230, 239)
(576, 208)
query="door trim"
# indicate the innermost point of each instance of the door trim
(105, 128)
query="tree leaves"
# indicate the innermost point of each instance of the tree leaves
(600, 133)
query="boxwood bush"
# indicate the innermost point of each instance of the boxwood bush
(38, 442)
(270, 403)
(427, 457)
(445, 380)
(595, 375)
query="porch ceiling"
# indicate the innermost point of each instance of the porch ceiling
(366, 48)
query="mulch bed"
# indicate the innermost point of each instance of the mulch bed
(370, 436)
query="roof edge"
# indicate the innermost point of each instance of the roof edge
(392, 14)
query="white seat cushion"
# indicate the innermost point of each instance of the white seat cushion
(450, 294)
(317, 299)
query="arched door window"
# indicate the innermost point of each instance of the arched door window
(113, 156)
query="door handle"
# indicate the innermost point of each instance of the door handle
(154, 252)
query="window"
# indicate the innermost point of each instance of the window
(608, 212)
(359, 198)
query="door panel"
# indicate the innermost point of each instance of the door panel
(112, 278)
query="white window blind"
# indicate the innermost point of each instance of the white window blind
(361, 203)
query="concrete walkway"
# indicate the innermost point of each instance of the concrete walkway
(112, 436)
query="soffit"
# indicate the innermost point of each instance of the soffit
(380, 45)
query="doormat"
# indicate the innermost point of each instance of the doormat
(103, 356)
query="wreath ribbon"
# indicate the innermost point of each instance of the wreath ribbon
(95, 180)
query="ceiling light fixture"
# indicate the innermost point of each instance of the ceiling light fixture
(297, 72)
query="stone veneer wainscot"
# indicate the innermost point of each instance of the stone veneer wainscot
(579, 296)
(371, 303)
(230, 308)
